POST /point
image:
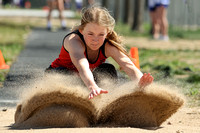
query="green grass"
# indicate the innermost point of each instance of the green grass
(12, 38)
(125, 30)
(177, 32)
(174, 32)
(170, 67)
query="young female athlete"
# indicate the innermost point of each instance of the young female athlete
(86, 48)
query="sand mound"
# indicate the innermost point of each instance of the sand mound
(148, 108)
(55, 102)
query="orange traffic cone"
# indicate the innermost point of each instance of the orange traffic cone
(2, 62)
(45, 8)
(135, 56)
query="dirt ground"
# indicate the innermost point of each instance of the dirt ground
(186, 120)
(178, 44)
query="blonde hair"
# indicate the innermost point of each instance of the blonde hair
(101, 16)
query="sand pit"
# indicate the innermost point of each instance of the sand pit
(55, 101)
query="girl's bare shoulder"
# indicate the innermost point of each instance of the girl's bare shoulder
(72, 37)
(73, 41)
(110, 49)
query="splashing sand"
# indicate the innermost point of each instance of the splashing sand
(60, 101)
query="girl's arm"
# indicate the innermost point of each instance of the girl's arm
(76, 50)
(128, 66)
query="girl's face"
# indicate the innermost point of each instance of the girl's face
(94, 35)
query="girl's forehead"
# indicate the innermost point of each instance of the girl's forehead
(95, 27)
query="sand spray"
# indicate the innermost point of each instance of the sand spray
(62, 101)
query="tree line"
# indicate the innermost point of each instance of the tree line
(132, 14)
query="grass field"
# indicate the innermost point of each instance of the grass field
(176, 67)
(12, 40)
(179, 67)
(174, 32)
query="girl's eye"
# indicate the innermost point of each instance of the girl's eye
(101, 35)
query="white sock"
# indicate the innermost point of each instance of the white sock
(164, 37)
(63, 23)
(49, 24)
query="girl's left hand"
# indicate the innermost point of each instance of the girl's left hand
(97, 91)
(145, 80)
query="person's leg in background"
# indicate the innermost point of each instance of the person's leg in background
(154, 20)
(61, 17)
(155, 24)
(162, 16)
(51, 4)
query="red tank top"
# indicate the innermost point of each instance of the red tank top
(64, 59)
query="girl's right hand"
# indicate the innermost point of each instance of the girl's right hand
(145, 80)
(96, 91)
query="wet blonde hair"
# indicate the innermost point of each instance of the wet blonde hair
(101, 16)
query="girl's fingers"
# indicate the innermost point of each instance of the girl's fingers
(103, 91)
(98, 91)
(94, 92)
(151, 80)
(90, 96)
(145, 80)
(144, 75)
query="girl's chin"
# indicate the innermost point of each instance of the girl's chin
(94, 47)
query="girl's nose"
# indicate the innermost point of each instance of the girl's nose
(95, 39)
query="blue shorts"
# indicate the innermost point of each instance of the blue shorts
(153, 4)
(78, 5)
